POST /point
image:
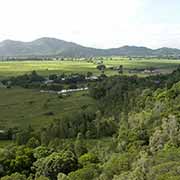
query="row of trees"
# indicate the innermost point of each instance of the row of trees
(52, 82)
(102, 68)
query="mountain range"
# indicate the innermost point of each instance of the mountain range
(55, 47)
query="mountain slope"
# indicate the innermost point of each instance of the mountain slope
(56, 47)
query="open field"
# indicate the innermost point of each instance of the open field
(145, 63)
(13, 68)
(21, 107)
(4, 143)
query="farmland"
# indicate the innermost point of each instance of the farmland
(14, 68)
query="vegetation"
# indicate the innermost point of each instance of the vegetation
(14, 68)
(31, 107)
(124, 127)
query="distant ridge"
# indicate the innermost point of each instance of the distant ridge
(55, 47)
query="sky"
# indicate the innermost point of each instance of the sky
(93, 23)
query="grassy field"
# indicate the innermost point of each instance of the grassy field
(4, 143)
(144, 63)
(21, 107)
(11, 68)
(44, 67)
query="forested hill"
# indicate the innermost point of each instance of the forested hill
(56, 47)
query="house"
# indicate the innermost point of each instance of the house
(111, 67)
(151, 71)
(2, 131)
(92, 78)
(147, 71)
(48, 82)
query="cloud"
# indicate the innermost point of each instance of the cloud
(97, 23)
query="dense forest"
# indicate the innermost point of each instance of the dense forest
(134, 134)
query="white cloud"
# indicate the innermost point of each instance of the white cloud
(98, 23)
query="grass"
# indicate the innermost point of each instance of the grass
(144, 63)
(45, 67)
(21, 107)
(4, 143)
(14, 68)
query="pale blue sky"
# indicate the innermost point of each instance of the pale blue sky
(96, 23)
(161, 11)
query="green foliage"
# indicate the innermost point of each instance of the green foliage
(33, 142)
(116, 165)
(23, 136)
(42, 178)
(142, 115)
(88, 172)
(62, 176)
(31, 80)
(41, 152)
(101, 67)
(55, 163)
(80, 147)
(168, 133)
(17, 159)
(88, 158)
(85, 122)
(15, 176)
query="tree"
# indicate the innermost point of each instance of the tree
(17, 159)
(33, 142)
(41, 152)
(101, 67)
(62, 176)
(87, 173)
(53, 77)
(167, 133)
(15, 176)
(120, 69)
(116, 165)
(55, 163)
(22, 137)
(23, 160)
(89, 74)
(88, 158)
(80, 147)
(34, 77)
(42, 178)
(44, 137)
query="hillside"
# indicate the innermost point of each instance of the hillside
(56, 47)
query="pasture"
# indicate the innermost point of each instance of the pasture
(21, 107)
(14, 68)
(5, 143)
